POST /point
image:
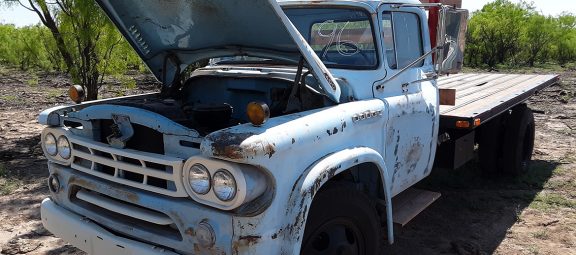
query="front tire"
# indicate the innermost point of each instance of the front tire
(342, 221)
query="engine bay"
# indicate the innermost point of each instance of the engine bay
(208, 103)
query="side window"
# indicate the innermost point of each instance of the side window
(402, 38)
(388, 35)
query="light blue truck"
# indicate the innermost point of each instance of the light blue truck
(301, 145)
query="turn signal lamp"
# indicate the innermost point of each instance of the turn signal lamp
(462, 124)
(76, 93)
(258, 113)
(477, 122)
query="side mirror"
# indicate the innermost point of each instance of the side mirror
(451, 38)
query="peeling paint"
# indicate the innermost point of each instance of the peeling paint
(414, 154)
(227, 144)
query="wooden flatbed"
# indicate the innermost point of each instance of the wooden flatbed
(484, 96)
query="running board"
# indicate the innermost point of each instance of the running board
(411, 202)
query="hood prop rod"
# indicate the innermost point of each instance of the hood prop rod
(168, 91)
(294, 102)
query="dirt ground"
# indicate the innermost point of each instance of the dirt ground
(534, 214)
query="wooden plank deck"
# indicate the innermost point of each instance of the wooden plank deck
(485, 95)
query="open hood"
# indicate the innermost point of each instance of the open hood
(169, 35)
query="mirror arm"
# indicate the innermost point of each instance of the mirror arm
(429, 77)
(413, 63)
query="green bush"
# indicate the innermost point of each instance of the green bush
(24, 48)
(33, 47)
(514, 34)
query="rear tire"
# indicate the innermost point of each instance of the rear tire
(489, 146)
(518, 141)
(342, 221)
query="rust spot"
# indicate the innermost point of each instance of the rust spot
(226, 144)
(244, 242)
(83, 183)
(118, 191)
(250, 239)
(270, 150)
(299, 221)
(190, 232)
(413, 155)
(332, 171)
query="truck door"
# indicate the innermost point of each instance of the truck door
(412, 128)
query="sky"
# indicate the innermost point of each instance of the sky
(22, 17)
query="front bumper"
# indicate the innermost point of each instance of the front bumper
(88, 236)
(185, 214)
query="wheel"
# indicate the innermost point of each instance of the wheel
(342, 221)
(518, 141)
(489, 146)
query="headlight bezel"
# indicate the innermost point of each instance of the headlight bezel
(251, 182)
(57, 132)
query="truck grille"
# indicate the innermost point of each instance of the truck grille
(148, 171)
(128, 213)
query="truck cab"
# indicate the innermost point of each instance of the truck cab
(310, 118)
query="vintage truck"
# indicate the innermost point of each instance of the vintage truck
(312, 122)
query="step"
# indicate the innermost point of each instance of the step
(411, 202)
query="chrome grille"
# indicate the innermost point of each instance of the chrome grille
(148, 171)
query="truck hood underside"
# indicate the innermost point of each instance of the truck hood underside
(170, 35)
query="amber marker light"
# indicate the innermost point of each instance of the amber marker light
(462, 124)
(76, 93)
(258, 113)
(477, 122)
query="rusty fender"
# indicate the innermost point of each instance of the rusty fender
(318, 132)
(319, 173)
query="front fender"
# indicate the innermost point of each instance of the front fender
(322, 171)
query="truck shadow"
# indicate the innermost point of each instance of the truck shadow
(474, 213)
(23, 159)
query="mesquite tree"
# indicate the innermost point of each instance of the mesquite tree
(84, 37)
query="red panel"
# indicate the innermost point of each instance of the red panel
(433, 22)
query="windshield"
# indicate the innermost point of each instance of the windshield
(342, 38)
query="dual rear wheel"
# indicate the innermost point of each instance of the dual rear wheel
(506, 143)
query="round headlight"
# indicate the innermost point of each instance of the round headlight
(224, 185)
(50, 144)
(199, 179)
(64, 147)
